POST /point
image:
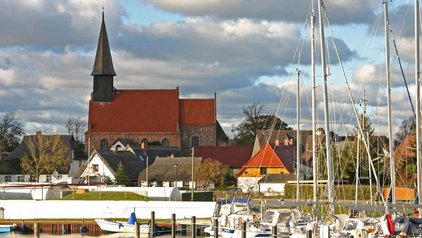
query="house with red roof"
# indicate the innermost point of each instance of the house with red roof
(233, 156)
(270, 159)
(149, 116)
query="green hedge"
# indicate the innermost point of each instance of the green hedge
(342, 192)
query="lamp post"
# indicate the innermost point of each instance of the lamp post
(147, 164)
(175, 174)
(192, 182)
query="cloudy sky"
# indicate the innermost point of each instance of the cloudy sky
(246, 51)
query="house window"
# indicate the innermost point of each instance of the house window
(186, 184)
(104, 144)
(194, 141)
(263, 170)
(8, 178)
(48, 178)
(165, 142)
(20, 178)
(95, 168)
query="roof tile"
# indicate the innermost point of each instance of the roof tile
(136, 111)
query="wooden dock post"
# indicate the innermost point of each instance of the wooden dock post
(216, 228)
(36, 230)
(243, 229)
(152, 225)
(137, 233)
(274, 231)
(173, 225)
(309, 234)
(193, 227)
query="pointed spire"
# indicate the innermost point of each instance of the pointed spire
(103, 64)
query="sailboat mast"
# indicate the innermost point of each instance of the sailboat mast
(298, 136)
(330, 181)
(417, 117)
(390, 130)
(314, 136)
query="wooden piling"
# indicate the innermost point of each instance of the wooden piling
(36, 230)
(152, 225)
(173, 225)
(243, 229)
(274, 231)
(137, 233)
(216, 228)
(193, 227)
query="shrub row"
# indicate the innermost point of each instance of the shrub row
(342, 192)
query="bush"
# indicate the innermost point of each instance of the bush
(342, 192)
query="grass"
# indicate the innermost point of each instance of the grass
(117, 196)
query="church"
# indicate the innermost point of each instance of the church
(157, 117)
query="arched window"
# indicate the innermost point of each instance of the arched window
(194, 141)
(165, 142)
(104, 144)
(144, 141)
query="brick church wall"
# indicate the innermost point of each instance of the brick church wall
(207, 136)
(96, 138)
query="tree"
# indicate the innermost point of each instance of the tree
(45, 155)
(211, 171)
(11, 130)
(75, 127)
(366, 124)
(254, 120)
(407, 127)
(121, 177)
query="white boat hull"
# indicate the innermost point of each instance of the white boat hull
(120, 227)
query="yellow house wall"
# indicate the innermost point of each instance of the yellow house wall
(255, 172)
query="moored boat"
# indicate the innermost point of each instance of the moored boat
(7, 228)
(113, 226)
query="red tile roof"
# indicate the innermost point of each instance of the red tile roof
(136, 111)
(197, 112)
(233, 156)
(267, 157)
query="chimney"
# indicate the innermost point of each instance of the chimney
(38, 134)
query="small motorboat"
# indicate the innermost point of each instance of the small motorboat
(119, 226)
(7, 228)
(112, 226)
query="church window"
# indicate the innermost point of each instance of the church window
(165, 142)
(104, 144)
(144, 141)
(194, 141)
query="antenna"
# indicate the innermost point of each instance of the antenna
(364, 102)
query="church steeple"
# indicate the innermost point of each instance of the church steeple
(103, 70)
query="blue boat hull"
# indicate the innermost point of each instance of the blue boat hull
(6, 229)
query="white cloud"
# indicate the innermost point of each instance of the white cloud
(292, 10)
(368, 74)
(227, 47)
(7, 77)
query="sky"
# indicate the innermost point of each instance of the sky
(245, 51)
